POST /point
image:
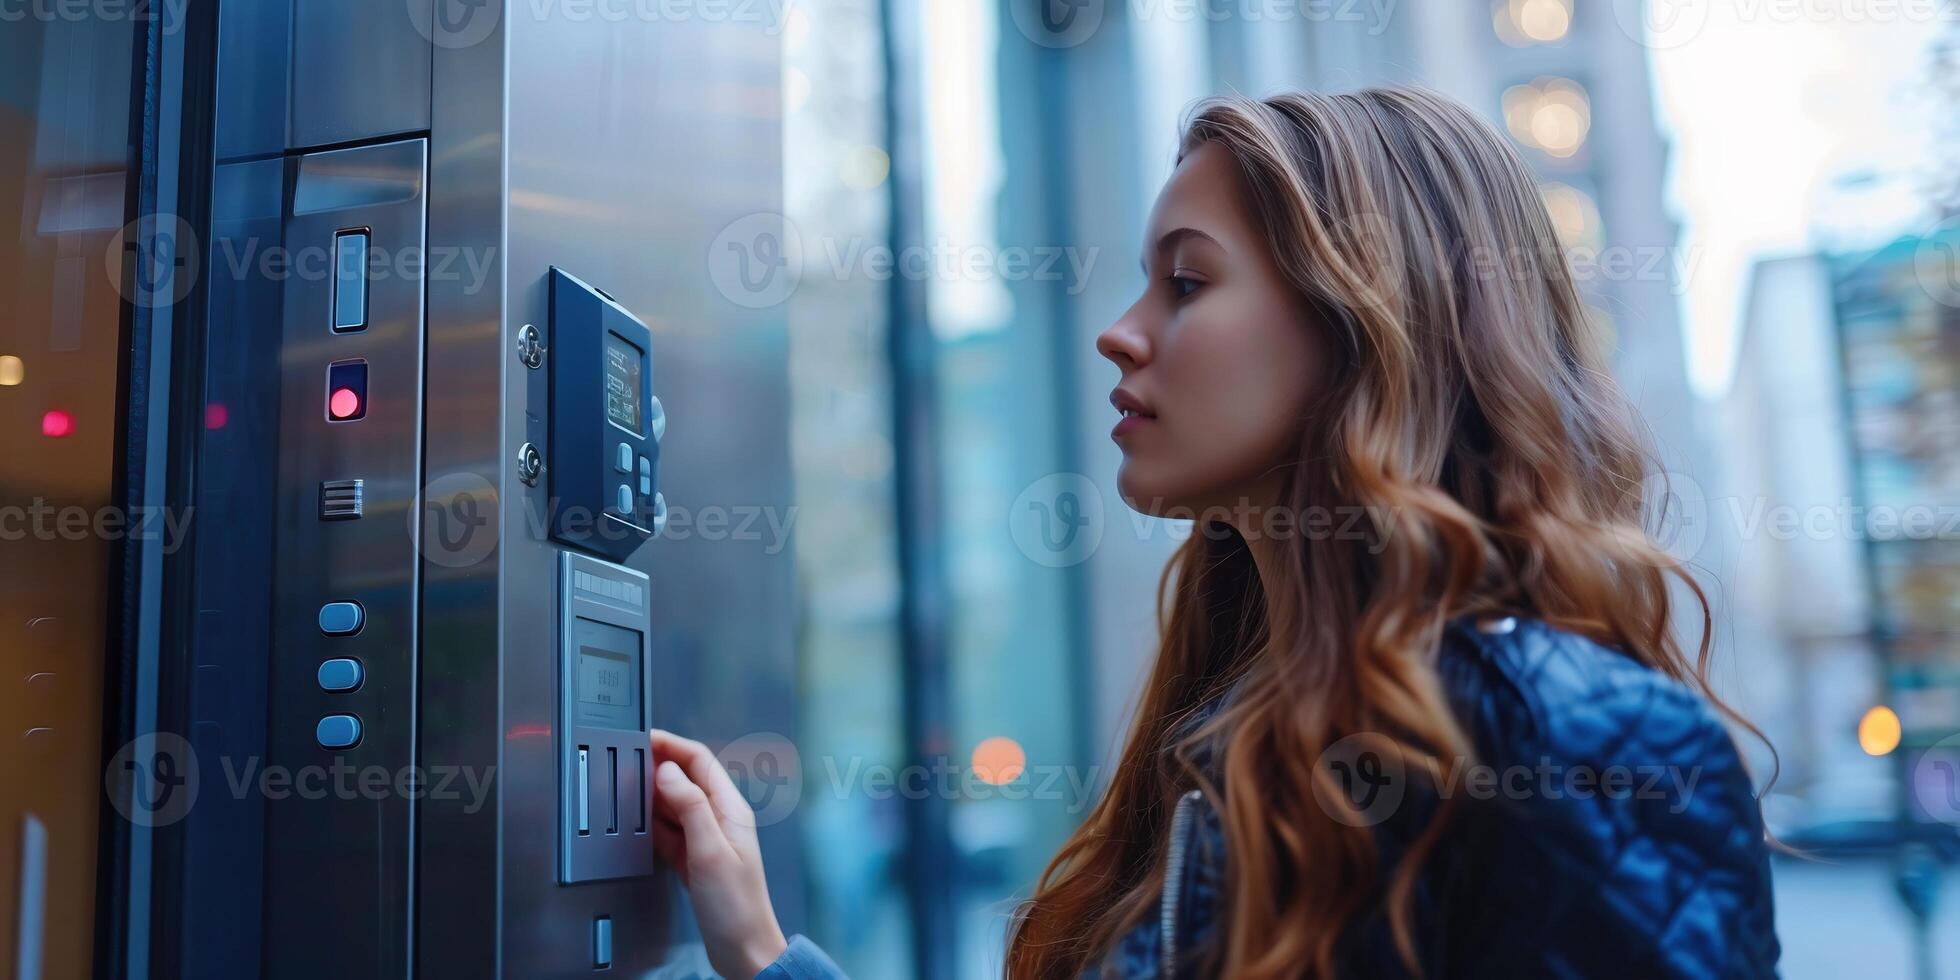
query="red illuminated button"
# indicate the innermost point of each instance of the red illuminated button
(57, 424)
(344, 404)
(347, 390)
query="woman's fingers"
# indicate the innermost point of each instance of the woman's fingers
(671, 845)
(706, 771)
(690, 808)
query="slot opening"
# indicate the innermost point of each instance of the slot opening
(612, 785)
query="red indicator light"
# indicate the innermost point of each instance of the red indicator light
(216, 415)
(345, 403)
(57, 424)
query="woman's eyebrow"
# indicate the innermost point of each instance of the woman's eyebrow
(1171, 238)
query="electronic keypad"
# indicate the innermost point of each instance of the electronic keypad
(605, 775)
(606, 424)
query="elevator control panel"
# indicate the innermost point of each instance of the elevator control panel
(605, 780)
(606, 423)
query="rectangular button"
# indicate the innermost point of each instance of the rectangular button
(602, 942)
(342, 618)
(338, 732)
(584, 791)
(625, 501)
(350, 260)
(623, 458)
(340, 674)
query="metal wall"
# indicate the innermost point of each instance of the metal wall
(497, 141)
(626, 148)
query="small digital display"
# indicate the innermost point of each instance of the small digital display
(606, 676)
(623, 392)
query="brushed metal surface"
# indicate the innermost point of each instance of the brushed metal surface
(360, 70)
(458, 926)
(631, 147)
(618, 150)
(338, 867)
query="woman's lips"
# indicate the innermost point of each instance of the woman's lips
(1129, 424)
(1136, 414)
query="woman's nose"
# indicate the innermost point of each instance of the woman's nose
(1125, 342)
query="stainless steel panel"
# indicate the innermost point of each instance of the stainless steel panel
(254, 73)
(459, 929)
(360, 69)
(631, 147)
(339, 864)
(619, 150)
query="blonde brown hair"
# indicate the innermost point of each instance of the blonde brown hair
(1471, 409)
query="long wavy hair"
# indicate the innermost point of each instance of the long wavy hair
(1496, 467)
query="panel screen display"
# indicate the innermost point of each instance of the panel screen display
(606, 676)
(623, 392)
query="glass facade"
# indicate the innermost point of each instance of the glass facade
(65, 186)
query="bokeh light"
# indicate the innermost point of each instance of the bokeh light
(999, 760)
(1879, 730)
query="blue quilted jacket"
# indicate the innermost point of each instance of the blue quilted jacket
(1608, 830)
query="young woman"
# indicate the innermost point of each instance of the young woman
(1419, 709)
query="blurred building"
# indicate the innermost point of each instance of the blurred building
(1793, 603)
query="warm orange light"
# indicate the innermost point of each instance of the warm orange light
(1878, 731)
(12, 370)
(999, 760)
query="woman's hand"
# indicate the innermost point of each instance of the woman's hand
(706, 830)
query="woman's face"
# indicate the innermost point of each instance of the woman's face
(1220, 358)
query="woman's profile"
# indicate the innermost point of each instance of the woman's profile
(1419, 708)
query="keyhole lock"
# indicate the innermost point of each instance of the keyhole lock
(530, 463)
(530, 347)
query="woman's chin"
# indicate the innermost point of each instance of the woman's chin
(1145, 495)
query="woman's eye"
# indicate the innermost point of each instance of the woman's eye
(1183, 286)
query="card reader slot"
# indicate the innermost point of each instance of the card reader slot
(640, 787)
(612, 790)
